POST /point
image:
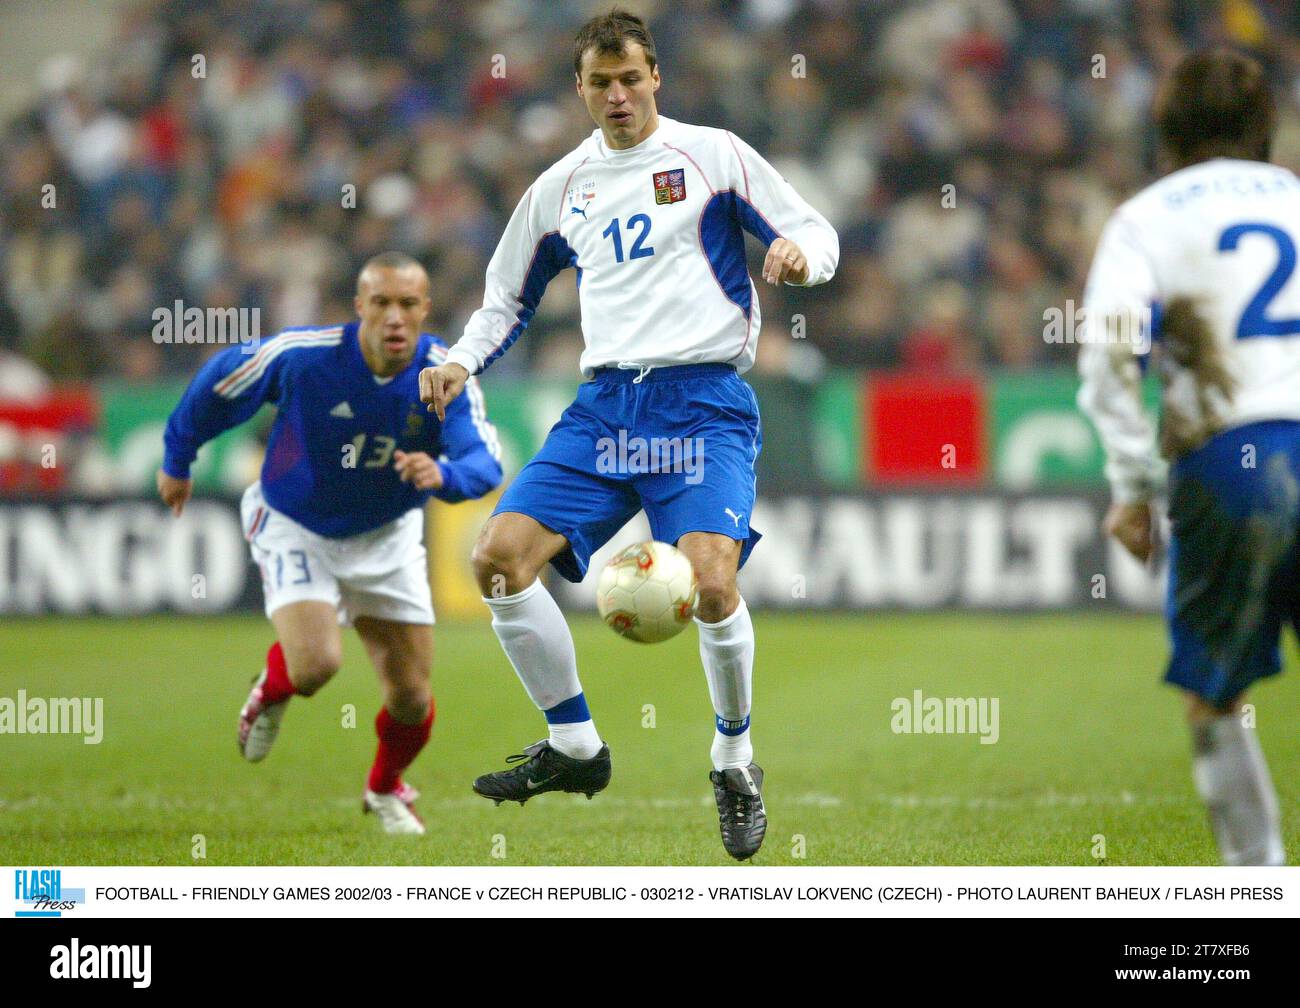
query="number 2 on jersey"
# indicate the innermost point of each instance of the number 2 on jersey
(638, 251)
(1255, 320)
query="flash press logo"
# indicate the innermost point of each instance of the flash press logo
(41, 889)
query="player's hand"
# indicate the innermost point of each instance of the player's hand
(785, 262)
(418, 469)
(1132, 526)
(440, 385)
(174, 492)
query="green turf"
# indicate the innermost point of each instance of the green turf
(1090, 743)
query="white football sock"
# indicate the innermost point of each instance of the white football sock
(1232, 777)
(577, 739)
(536, 639)
(727, 651)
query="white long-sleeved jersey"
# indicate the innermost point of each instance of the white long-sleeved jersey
(1222, 232)
(655, 232)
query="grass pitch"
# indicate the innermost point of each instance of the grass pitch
(1090, 744)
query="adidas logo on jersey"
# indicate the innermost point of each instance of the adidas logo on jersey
(342, 410)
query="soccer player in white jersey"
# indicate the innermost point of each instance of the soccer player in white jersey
(335, 523)
(651, 213)
(1203, 263)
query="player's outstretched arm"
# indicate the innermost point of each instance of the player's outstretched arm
(226, 392)
(528, 255)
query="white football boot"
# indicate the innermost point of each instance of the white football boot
(259, 723)
(394, 809)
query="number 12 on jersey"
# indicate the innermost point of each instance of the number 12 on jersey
(639, 249)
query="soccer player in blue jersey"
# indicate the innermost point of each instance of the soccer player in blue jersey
(335, 522)
(652, 214)
(1207, 256)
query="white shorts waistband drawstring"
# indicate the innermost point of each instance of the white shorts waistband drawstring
(642, 369)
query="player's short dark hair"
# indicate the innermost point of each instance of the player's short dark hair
(388, 260)
(1216, 103)
(609, 35)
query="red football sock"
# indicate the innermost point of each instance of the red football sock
(399, 744)
(277, 686)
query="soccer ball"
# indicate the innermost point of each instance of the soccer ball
(647, 592)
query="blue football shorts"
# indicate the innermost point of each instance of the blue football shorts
(1234, 506)
(681, 443)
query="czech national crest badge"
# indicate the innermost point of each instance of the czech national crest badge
(670, 186)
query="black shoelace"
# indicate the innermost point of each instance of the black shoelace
(526, 762)
(740, 811)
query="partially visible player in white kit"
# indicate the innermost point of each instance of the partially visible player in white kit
(335, 523)
(1204, 261)
(652, 214)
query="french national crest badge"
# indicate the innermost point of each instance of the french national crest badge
(670, 186)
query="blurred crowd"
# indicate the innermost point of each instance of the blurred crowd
(256, 152)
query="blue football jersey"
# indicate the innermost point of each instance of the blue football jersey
(329, 462)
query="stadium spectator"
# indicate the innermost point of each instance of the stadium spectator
(318, 134)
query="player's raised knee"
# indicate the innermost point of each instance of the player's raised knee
(500, 572)
(718, 594)
(715, 560)
(502, 564)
